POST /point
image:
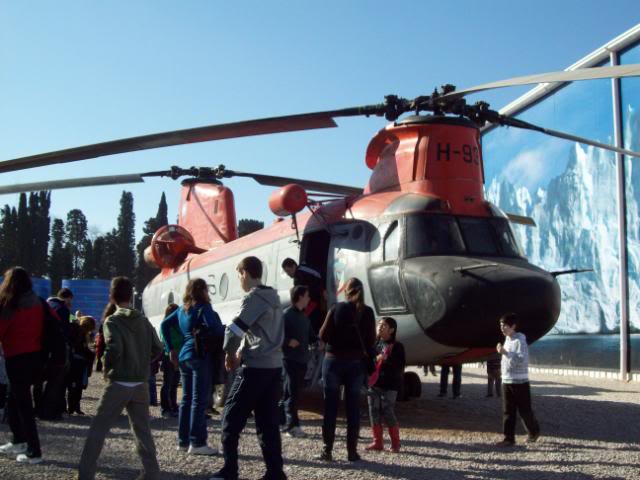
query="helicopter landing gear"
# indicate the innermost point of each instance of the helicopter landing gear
(411, 387)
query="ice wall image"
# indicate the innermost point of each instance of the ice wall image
(576, 213)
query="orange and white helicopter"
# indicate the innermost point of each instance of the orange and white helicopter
(430, 249)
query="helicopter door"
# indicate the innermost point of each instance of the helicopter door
(315, 251)
(384, 274)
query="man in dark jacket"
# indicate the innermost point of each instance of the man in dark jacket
(49, 392)
(297, 333)
(130, 344)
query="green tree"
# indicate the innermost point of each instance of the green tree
(125, 237)
(25, 236)
(247, 226)
(8, 238)
(39, 204)
(89, 268)
(60, 261)
(76, 236)
(144, 273)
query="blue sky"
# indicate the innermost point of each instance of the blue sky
(78, 72)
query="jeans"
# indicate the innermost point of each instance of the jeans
(293, 382)
(256, 389)
(23, 370)
(169, 389)
(350, 373)
(516, 398)
(457, 379)
(196, 380)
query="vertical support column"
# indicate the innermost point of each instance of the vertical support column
(625, 367)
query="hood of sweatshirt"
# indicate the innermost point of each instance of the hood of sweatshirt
(267, 294)
(129, 320)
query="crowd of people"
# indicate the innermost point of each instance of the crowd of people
(261, 355)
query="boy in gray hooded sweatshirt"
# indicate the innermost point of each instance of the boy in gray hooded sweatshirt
(131, 343)
(257, 332)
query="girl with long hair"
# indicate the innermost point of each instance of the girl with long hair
(349, 334)
(384, 384)
(195, 317)
(21, 333)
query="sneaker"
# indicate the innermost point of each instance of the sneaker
(13, 448)
(325, 455)
(24, 458)
(353, 457)
(505, 444)
(441, 394)
(296, 432)
(533, 438)
(203, 450)
(182, 448)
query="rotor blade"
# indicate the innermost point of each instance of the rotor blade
(179, 137)
(563, 76)
(514, 122)
(73, 183)
(521, 220)
(274, 181)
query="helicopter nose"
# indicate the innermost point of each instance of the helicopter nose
(458, 301)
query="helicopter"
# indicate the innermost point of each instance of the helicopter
(430, 249)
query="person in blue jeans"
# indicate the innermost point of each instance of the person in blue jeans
(349, 333)
(195, 365)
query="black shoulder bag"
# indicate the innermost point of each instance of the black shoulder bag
(203, 340)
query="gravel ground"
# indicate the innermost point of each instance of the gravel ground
(590, 429)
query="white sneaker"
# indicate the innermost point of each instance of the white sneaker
(296, 432)
(13, 448)
(203, 450)
(23, 458)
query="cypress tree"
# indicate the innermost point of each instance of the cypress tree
(76, 236)
(60, 262)
(8, 238)
(125, 237)
(39, 204)
(25, 236)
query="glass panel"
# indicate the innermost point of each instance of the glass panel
(385, 286)
(507, 243)
(478, 236)
(630, 107)
(569, 189)
(433, 235)
(392, 242)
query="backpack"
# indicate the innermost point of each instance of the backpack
(203, 340)
(54, 343)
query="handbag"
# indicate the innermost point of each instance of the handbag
(204, 341)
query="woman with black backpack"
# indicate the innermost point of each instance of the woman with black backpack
(203, 333)
(21, 334)
(349, 333)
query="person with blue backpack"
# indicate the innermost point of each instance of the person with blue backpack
(203, 333)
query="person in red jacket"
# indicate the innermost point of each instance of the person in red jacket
(21, 329)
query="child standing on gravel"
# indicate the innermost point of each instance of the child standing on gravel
(515, 382)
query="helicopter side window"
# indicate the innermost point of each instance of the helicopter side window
(391, 243)
(506, 241)
(478, 236)
(433, 235)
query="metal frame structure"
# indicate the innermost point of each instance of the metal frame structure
(610, 52)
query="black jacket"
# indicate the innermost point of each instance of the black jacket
(392, 368)
(340, 334)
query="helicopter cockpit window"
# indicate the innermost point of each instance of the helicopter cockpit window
(391, 242)
(478, 236)
(433, 235)
(508, 245)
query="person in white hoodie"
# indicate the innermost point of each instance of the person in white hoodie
(516, 392)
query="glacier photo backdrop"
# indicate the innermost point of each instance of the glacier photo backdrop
(570, 190)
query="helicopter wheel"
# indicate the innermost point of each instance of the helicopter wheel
(411, 387)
